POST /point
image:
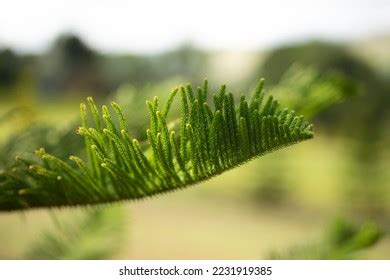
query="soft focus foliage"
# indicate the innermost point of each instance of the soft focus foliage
(97, 235)
(305, 90)
(342, 240)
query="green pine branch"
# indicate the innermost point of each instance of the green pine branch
(208, 141)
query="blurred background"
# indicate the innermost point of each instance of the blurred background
(328, 198)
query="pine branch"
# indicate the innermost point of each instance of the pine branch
(209, 141)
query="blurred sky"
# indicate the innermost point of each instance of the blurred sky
(149, 26)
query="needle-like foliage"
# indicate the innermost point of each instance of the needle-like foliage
(208, 141)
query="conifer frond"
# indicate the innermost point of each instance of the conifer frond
(209, 140)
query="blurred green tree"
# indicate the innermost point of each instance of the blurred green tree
(370, 106)
(10, 68)
(71, 65)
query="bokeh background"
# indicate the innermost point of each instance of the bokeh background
(330, 60)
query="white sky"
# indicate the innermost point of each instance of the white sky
(148, 26)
